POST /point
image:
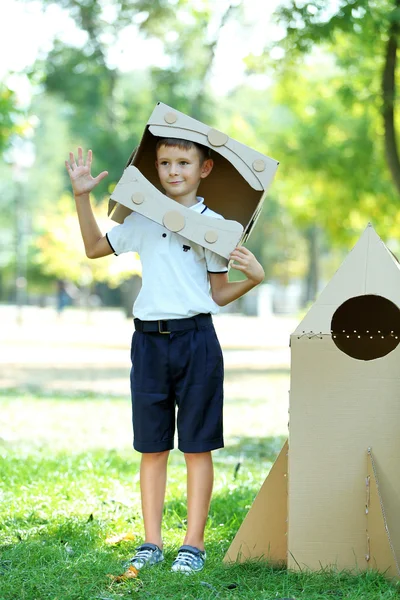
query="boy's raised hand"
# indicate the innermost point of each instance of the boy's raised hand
(246, 262)
(79, 173)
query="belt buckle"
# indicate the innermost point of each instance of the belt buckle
(160, 327)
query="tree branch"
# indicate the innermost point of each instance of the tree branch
(389, 98)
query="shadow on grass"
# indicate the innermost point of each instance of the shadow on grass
(252, 448)
(228, 509)
(64, 559)
(234, 372)
(69, 560)
(36, 392)
(63, 469)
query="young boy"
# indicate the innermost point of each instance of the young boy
(176, 356)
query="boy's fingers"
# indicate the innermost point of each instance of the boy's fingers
(89, 158)
(72, 160)
(238, 259)
(237, 256)
(68, 166)
(101, 176)
(238, 267)
(80, 156)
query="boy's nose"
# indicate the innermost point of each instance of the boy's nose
(174, 169)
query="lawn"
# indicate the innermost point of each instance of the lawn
(69, 481)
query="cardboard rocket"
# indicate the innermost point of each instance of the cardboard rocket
(235, 188)
(332, 497)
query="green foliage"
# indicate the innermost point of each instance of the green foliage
(328, 87)
(338, 177)
(8, 115)
(315, 22)
(60, 250)
(320, 117)
(87, 102)
(253, 117)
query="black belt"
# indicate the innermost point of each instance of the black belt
(172, 325)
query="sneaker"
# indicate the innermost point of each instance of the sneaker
(146, 555)
(189, 560)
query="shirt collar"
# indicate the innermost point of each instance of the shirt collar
(200, 206)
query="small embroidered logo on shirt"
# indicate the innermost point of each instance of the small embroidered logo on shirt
(186, 248)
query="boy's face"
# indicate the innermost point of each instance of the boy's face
(180, 171)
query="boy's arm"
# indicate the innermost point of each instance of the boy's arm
(96, 245)
(224, 291)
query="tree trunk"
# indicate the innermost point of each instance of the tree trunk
(389, 97)
(312, 278)
(199, 99)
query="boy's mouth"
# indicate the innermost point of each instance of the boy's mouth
(174, 182)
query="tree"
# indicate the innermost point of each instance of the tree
(61, 251)
(328, 69)
(106, 110)
(82, 78)
(9, 116)
(368, 30)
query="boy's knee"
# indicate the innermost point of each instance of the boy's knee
(154, 456)
(193, 456)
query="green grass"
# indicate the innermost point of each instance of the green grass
(69, 480)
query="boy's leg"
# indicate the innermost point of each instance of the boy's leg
(153, 476)
(153, 415)
(200, 478)
(199, 397)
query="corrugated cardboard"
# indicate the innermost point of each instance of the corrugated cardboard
(263, 533)
(380, 554)
(370, 268)
(344, 400)
(235, 188)
(217, 235)
(339, 407)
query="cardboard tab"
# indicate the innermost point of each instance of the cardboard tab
(380, 552)
(263, 532)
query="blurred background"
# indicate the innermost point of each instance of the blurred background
(311, 84)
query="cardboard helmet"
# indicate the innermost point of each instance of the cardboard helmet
(235, 188)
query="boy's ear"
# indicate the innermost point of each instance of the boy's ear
(206, 167)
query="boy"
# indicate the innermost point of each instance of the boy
(176, 356)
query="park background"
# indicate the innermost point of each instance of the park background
(311, 84)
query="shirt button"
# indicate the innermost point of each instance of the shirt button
(164, 235)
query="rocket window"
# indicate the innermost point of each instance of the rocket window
(366, 327)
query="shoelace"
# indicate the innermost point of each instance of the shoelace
(187, 558)
(143, 554)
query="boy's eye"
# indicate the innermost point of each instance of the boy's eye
(164, 162)
(184, 162)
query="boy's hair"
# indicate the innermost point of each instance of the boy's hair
(203, 151)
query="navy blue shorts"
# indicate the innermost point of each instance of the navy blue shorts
(181, 372)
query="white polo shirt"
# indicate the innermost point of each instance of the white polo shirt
(175, 282)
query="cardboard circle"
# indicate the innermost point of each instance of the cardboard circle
(259, 165)
(211, 236)
(170, 118)
(174, 221)
(366, 327)
(217, 138)
(137, 198)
